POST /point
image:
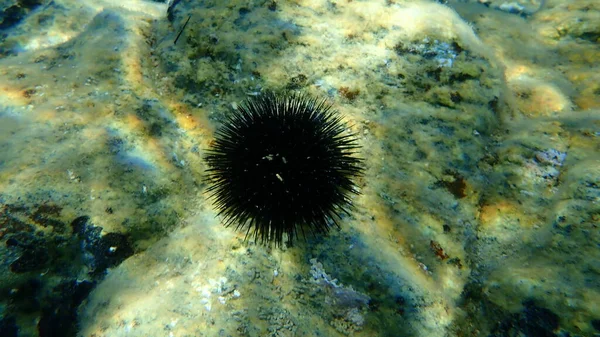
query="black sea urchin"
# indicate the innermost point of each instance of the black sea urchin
(282, 164)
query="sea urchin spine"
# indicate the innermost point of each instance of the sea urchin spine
(282, 165)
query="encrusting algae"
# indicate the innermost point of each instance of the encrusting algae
(477, 210)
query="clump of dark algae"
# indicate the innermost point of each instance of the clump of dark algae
(283, 165)
(50, 270)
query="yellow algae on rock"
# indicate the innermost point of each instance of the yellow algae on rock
(536, 98)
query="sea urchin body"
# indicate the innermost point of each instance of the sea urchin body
(282, 165)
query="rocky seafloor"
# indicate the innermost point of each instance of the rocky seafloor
(479, 206)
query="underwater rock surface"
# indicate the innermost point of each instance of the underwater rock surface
(479, 208)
